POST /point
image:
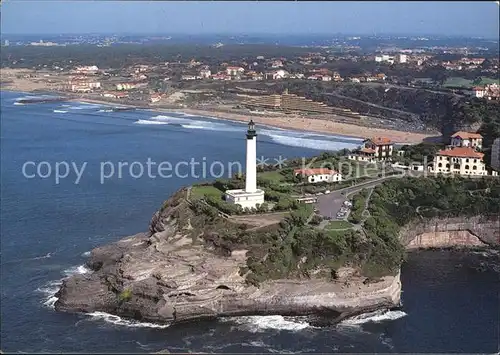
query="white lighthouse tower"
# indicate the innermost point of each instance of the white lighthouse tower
(251, 196)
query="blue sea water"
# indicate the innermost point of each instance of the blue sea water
(47, 228)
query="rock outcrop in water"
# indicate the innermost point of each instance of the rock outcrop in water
(168, 275)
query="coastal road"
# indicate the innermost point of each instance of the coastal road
(328, 205)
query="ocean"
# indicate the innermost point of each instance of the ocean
(49, 224)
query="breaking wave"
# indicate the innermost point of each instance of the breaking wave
(310, 142)
(374, 317)
(60, 111)
(113, 319)
(86, 254)
(256, 324)
(149, 122)
(83, 106)
(194, 124)
(46, 256)
(51, 288)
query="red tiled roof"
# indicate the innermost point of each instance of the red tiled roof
(367, 150)
(467, 135)
(318, 171)
(461, 152)
(379, 140)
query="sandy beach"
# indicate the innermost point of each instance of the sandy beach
(14, 80)
(295, 122)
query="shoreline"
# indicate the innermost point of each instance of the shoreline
(281, 122)
(287, 122)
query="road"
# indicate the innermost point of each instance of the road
(328, 205)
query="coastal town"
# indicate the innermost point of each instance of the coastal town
(340, 88)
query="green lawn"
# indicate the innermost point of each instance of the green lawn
(455, 81)
(338, 225)
(201, 191)
(486, 81)
(274, 176)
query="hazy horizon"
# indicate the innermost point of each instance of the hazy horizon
(443, 19)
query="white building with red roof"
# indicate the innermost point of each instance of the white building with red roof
(464, 161)
(233, 71)
(467, 139)
(319, 175)
(374, 149)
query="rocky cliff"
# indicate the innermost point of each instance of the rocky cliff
(474, 231)
(170, 274)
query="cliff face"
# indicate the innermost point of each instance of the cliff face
(446, 232)
(168, 274)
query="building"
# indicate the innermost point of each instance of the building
(82, 85)
(401, 58)
(467, 139)
(285, 102)
(495, 154)
(125, 86)
(277, 74)
(479, 92)
(234, 71)
(251, 196)
(115, 95)
(277, 64)
(319, 175)
(155, 98)
(459, 160)
(89, 69)
(490, 92)
(205, 73)
(374, 149)
(385, 58)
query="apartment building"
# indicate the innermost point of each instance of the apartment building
(287, 102)
(462, 161)
(374, 149)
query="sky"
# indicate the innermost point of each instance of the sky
(470, 19)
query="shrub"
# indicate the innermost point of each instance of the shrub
(125, 295)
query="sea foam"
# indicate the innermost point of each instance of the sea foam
(374, 317)
(257, 324)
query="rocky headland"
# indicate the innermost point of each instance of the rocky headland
(182, 269)
(168, 275)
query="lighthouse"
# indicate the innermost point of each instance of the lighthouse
(251, 167)
(251, 196)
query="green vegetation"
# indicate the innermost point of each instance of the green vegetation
(358, 206)
(125, 295)
(394, 204)
(199, 191)
(338, 225)
(296, 248)
(418, 153)
(458, 82)
(275, 176)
